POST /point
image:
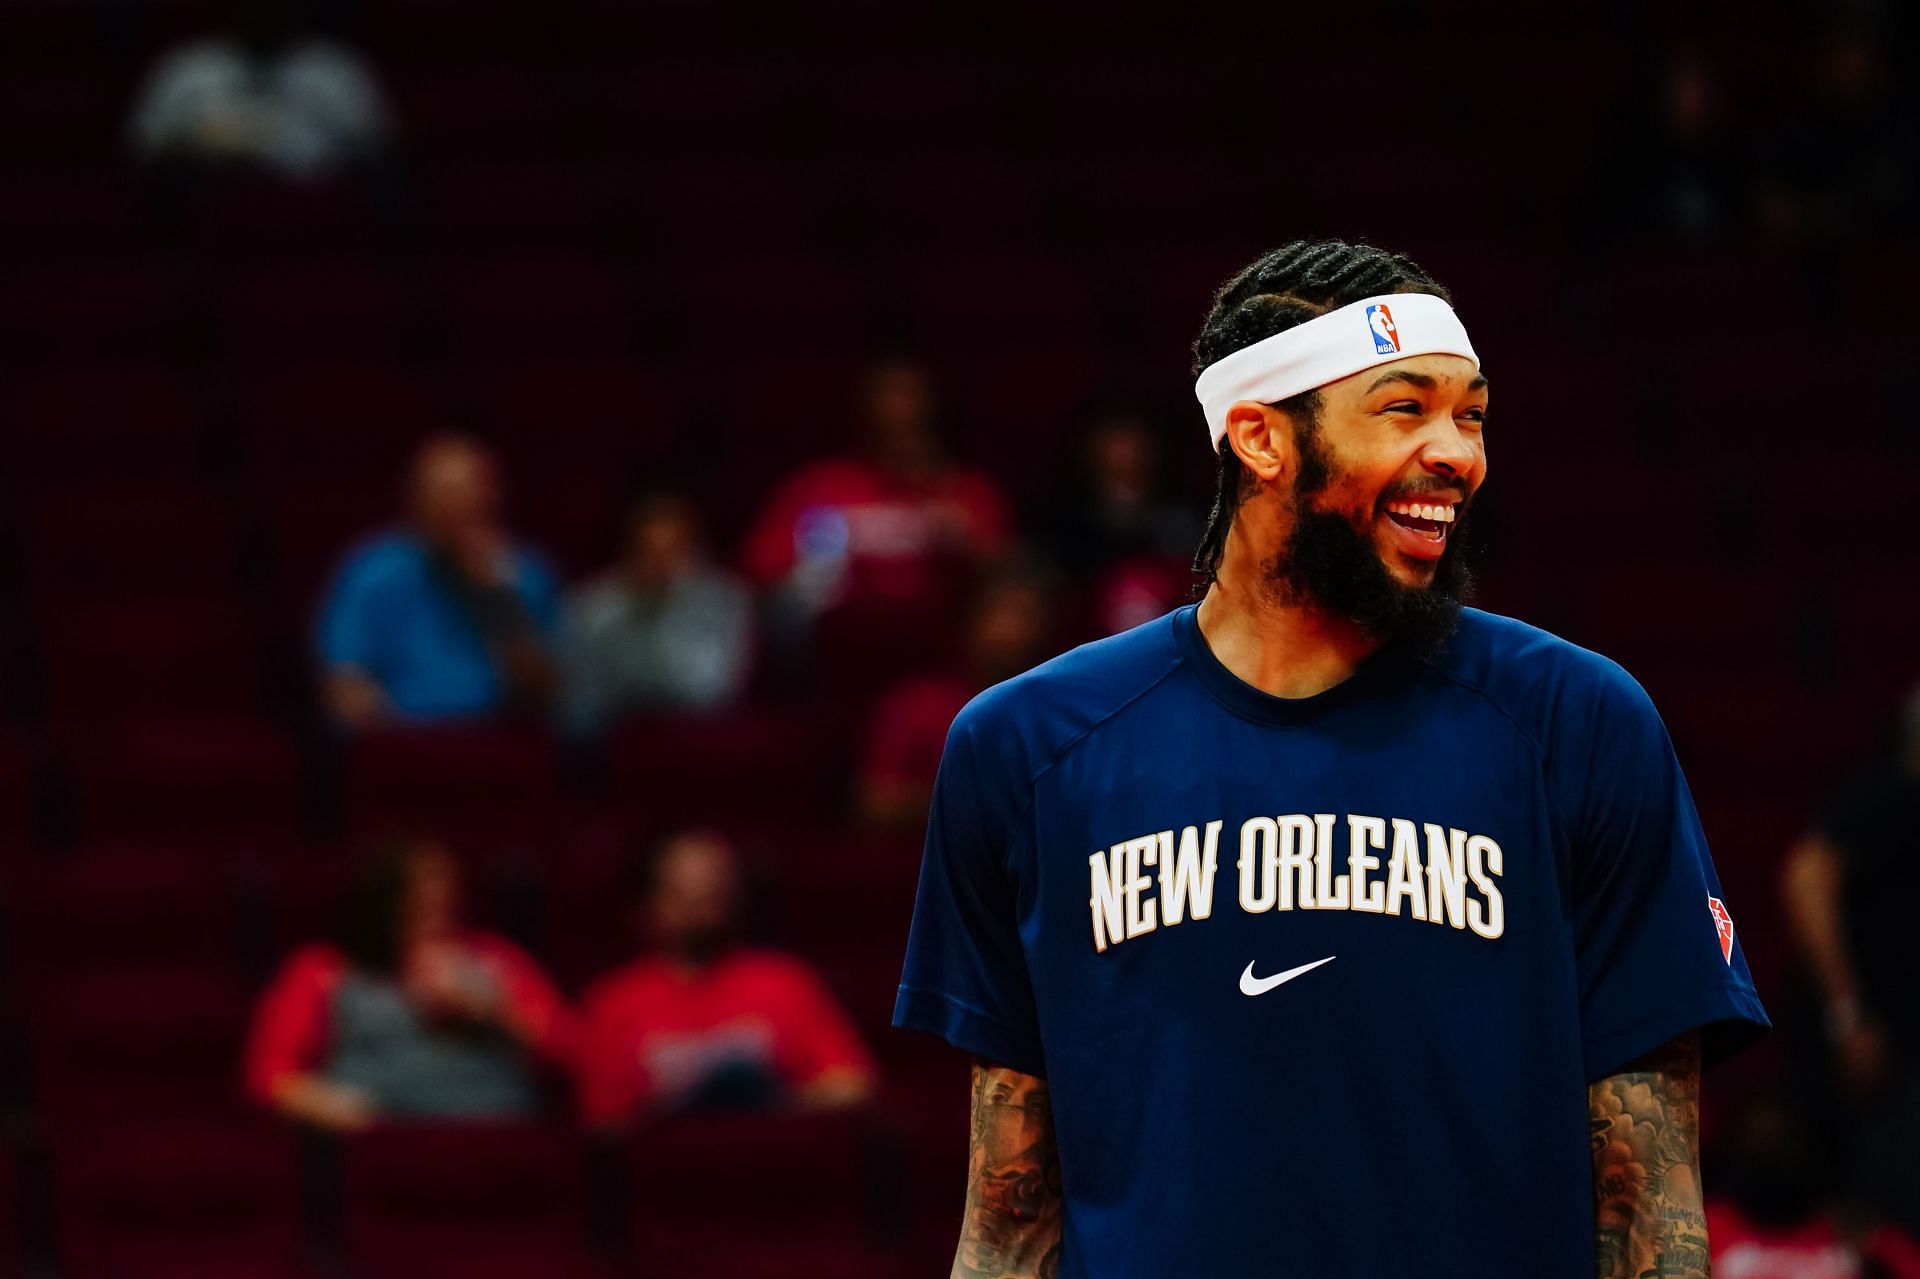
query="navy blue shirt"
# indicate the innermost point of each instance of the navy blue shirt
(1493, 850)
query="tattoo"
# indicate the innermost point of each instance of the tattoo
(1649, 1220)
(1011, 1229)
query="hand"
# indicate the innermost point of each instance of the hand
(355, 700)
(442, 982)
(483, 555)
(325, 1104)
(1861, 1050)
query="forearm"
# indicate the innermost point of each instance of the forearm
(1011, 1229)
(1811, 886)
(1649, 1217)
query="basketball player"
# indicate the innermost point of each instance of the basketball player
(1326, 928)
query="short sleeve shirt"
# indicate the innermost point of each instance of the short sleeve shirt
(1314, 981)
(394, 615)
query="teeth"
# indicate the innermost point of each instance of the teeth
(1419, 510)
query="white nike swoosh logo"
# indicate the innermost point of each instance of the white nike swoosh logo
(1251, 985)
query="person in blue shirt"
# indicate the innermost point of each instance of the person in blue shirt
(1327, 928)
(445, 617)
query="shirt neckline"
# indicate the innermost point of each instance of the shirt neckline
(1244, 699)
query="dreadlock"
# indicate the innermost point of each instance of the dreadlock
(1288, 286)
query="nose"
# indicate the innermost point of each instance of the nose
(1448, 451)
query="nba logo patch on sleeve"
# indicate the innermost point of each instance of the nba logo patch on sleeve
(1386, 338)
(1723, 924)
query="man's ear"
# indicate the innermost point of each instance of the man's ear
(1261, 436)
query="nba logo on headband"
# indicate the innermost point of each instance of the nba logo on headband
(1386, 338)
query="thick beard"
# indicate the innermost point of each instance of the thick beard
(1330, 564)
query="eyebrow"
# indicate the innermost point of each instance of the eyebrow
(1420, 380)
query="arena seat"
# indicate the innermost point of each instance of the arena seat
(713, 203)
(465, 1200)
(126, 660)
(99, 423)
(320, 307)
(19, 786)
(493, 789)
(167, 1199)
(760, 302)
(697, 769)
(87, 314)
(149, 906)
(969, 301)
(116, 1047)
(538, 304)
(520, 206)
(314, 422)
(214, 775)
(757, 1196)
(132, 543)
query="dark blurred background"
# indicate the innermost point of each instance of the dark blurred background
(499, 503)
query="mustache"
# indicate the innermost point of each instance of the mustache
(1454, 493)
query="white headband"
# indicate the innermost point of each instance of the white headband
(1375, 330)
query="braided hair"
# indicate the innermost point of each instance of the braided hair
(1288, 286)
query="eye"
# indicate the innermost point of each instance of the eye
(1476, 416)
(1403, 406)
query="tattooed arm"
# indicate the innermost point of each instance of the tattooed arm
(1012, 1225)
(1645, 1124)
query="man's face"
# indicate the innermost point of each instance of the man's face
(692, 910)
(455, 488)
(1381, 491)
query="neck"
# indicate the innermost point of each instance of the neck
(1281, 647)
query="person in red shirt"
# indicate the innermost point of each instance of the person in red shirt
(411, 1015)
(884, 525)
(1776, 1223)
(1010, 627)
(704, 1022)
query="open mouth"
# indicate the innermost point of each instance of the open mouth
(1428, 520)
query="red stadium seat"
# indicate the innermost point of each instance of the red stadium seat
(494, 790)
(702, 769)
(114, 1047)
(466, 1201)
(714, 202)
(517, 206)
(129, 908)
(174, 1200)
(152, 543)
(65, 429)
(769, 303)
(314, 309)
(216, 776)
(985, 301)
(84, 314)
(128, 660)
(958, 198)
(757, 1196)
(331, 424)
(19, 788)
(538, 305)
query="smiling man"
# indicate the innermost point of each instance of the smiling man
(1327, 928)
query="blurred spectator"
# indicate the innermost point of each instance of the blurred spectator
(664, 629)
(1848, 886)
(1777, 1224)
(266, 95)
(445, 618)
(1116, 504)
(1674, 168)
(704, 1022)
(411, 1014)
(1842, 168)
(883, 525)
(1009, 629)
